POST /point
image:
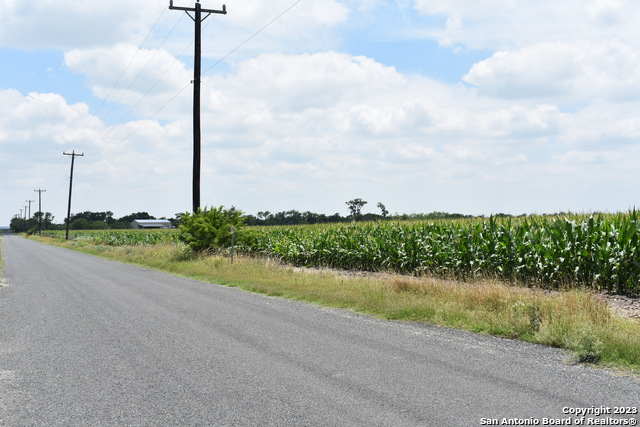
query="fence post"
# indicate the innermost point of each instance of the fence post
(233, 232)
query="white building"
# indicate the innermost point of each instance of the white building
(150, 223)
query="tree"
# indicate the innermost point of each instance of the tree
(18, 224)
(177, 221)
(137, 215)
(210, 228)
(44, 220)
(355, 206)
(383, 209)
(80, 224)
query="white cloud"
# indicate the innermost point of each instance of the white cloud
(298, 82)
(146, 79)
(40, 117)
(546, 123)
(74, 23)
(564, 72)
(255, 26)
(508, 24)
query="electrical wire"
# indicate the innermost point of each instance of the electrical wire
(176, 95)
(151, 117)
(252, 36)
(104, 100)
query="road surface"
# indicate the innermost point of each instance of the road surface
(89, 342)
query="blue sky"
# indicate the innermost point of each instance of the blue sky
(441, 105)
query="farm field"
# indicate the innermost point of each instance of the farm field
(576, 319)
(597, 252)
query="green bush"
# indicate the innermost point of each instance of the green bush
(210, 228)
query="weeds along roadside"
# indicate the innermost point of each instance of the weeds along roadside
(575, 320)
(1, 261)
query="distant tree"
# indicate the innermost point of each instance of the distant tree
(355, 207)
(177, 221)
(18, 224)
(79, 224)
(370, 217)
(252, 220)
(383, 209)
(137, 215)
(264, 215)
(109, 219)
(97, 225)
(44, 220)
(312, 218)
(335, 218)
(92, 217)
(120, 225)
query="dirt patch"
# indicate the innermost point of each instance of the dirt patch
(623, 305)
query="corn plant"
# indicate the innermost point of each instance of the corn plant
(588, 251)
(119, 237)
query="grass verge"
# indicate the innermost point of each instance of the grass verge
(1, 262)
(573, 320)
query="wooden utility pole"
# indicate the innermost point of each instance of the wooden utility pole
(197, 19)
(40, 191)
(29, 201)
(73, 157)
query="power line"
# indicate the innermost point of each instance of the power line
(253, 35)
(104, 100)
(177, 94)
(155, 51)
(129, 64)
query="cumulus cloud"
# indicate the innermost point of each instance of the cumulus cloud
(297, 82)
(252, 14)
(373, 112)
(573, 72)
(542, 124)
(128, 75)
(37, 128)
(506, 25)
(62, 24)
(283, 26)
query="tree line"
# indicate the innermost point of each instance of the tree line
(89, 220)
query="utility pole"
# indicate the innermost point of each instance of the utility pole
(197, 19)
(40, 191)
(29, 201)
(73, 157)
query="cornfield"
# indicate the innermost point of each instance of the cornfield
(600, 252)
(118, 237)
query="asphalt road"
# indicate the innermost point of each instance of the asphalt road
(90, 342)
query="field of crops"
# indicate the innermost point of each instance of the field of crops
(599, 252)
(117, 237)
